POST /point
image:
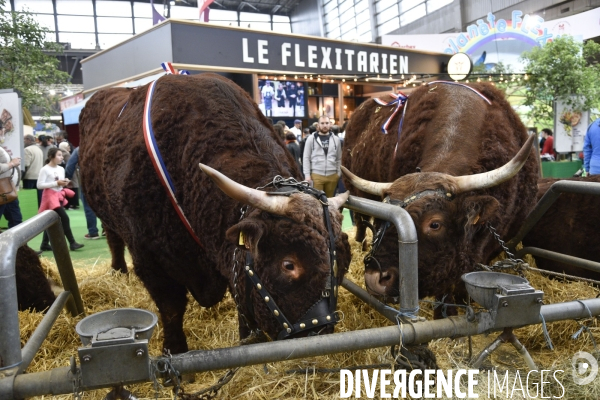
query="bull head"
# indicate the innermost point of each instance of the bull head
(462, 183)
(273, 204)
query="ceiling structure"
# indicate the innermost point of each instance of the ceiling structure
(277, 7)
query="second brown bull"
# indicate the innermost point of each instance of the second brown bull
(451, 167)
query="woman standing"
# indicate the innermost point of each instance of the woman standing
(52, 181)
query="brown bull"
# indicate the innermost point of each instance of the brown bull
(207, 119)
(570, 226)
(452, 171)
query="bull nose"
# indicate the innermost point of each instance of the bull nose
(382, 283)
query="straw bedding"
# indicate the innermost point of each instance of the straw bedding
(216, 327)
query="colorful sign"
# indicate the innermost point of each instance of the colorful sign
(491, 40)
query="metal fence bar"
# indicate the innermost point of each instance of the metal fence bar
(371, 301)
(547, 200)
(60, 380)
(10, 241)
(41, 332)
(407, 246)
(551, 255)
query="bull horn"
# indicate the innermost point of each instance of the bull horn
(338, 201)
(495, 177)
(255, 198)
(377, 188)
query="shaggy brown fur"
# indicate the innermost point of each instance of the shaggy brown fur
(33, 288)
(201, 119)
(446, 129)
(570, 226)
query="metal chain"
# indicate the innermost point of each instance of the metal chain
(281, 181)
(210, 392)
(519, 265)
(235, 275)
(77, 390)
(497, 236)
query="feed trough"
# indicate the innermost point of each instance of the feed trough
(120, 324)
(483, 286)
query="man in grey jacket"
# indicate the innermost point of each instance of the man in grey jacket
(322, 158)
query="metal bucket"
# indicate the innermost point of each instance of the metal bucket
(482, 286)
(116, 323)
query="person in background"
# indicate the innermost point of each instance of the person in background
(9, 168)
(45, 145)
(90, 217)
(548, 149)
(267, 94)
(322, 158)
(591, 149)
(65, 147)
(279, 131)
(34, 161)
(297, 129)
(52, 181)
(305, 134)
(294, 149)
(280, 95)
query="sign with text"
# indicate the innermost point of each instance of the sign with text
(266, 51)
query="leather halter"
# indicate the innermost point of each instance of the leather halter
(323, 312)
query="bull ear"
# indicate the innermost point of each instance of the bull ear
(246, 234)
(480, 209)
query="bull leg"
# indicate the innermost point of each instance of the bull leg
(117, 250)
(171, 299)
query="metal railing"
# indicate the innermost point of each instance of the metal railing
(64, 380)
(559, 187)
(12, 359)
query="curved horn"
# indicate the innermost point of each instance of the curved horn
(261, 200)
(339, 200)
(377, 188)
(495, 177)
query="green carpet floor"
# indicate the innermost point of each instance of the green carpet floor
(94, 250)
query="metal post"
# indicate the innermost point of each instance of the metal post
(407, 246)
(60, 248)
(547, 200)
(551, 255)
(371, 301)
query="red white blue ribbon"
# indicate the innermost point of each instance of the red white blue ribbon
(463, 85)
(170, 70)
(158, 162)
(398, 101)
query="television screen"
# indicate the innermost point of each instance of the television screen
(282, 98)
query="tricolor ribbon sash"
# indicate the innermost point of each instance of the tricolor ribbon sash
(158, 162)
(170, 70)
(463, 85)
(398, 101)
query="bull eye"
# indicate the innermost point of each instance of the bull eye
(435, 226)
(288, 265)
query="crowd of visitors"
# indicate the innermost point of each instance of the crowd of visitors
(49, 165)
